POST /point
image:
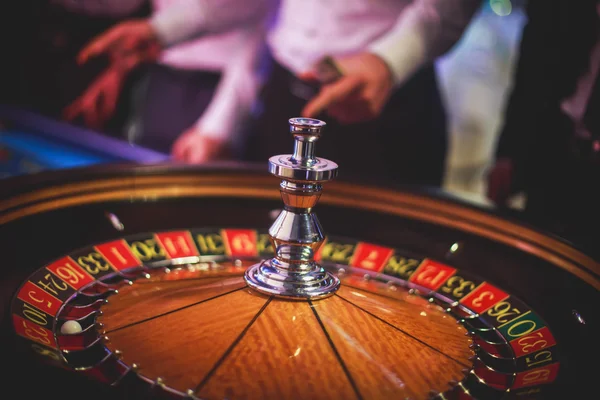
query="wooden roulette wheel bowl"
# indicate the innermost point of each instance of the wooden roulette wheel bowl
(136, 282)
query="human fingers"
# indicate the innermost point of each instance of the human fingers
(331, 94)
(73, 110)
(102, 43)
(351, 111)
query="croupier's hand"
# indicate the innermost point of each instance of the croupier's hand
(360, 93)
(97, 104)
(129, 43)
(192, 147)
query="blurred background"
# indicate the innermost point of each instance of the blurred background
(41, 79)
(476, 76)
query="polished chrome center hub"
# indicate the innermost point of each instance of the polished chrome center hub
(297, 234)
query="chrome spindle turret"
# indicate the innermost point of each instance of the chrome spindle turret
(297, 234)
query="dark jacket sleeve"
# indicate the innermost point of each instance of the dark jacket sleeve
(530, 92)
(554, 51)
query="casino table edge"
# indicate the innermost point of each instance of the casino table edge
(31, 194)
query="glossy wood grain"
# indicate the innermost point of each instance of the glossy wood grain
(416, 317)
(144, 300)
(181, 347)
(385, 362)
(220, 339)
(284, 355)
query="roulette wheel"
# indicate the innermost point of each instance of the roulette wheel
(169, 282)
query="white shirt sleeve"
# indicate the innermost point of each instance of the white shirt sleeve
(188, 18)
(425, 30)
(238, 89)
